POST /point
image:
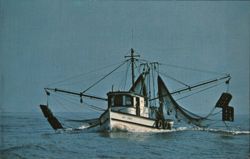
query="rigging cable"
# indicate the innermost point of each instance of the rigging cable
(56, 97)
(209, 114)
(82, 74)
(123, 80)
(170, 77)
(192, 69)
(104, 77)
(199, 91)
(216, 113)
(199, 84)
(126, 76)
(72, 101)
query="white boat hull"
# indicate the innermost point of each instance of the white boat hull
(117, 121)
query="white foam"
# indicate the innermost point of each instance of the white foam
(82, 127)
(232, 131)
(153, 130)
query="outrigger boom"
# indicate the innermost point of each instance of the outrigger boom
(74, 93)
(189, 88)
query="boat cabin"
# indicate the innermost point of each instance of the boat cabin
(128, 102)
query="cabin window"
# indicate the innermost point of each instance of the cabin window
(121, 100)
(118, 100)
(128, 100)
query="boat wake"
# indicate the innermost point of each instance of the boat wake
(232, 131)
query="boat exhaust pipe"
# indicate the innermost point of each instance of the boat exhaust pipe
(53, 121)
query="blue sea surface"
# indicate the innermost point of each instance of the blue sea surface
(28, 135)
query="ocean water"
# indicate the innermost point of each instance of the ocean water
(28, 135)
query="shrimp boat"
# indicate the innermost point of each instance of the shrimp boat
(147, 105)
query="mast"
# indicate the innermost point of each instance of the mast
(132, 66)
(132, 59)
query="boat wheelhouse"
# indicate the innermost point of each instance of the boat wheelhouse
(128, 102)
(128, 111)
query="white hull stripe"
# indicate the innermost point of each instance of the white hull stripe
(133, 123)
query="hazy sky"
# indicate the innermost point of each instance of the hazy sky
(42, 41)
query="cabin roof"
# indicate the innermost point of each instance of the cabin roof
(123, 93)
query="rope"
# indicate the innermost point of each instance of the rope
(59, 102)
(123, 80)
(71, 101)
(186, 68)
(228, 127)
(104, 77)
(213, 123)
(82, 74)
(74, 103)
(199, 91)
(192, 69)
(199, 84)
(216, 113)
(178, 81)
(126, 76)
(94, 107)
